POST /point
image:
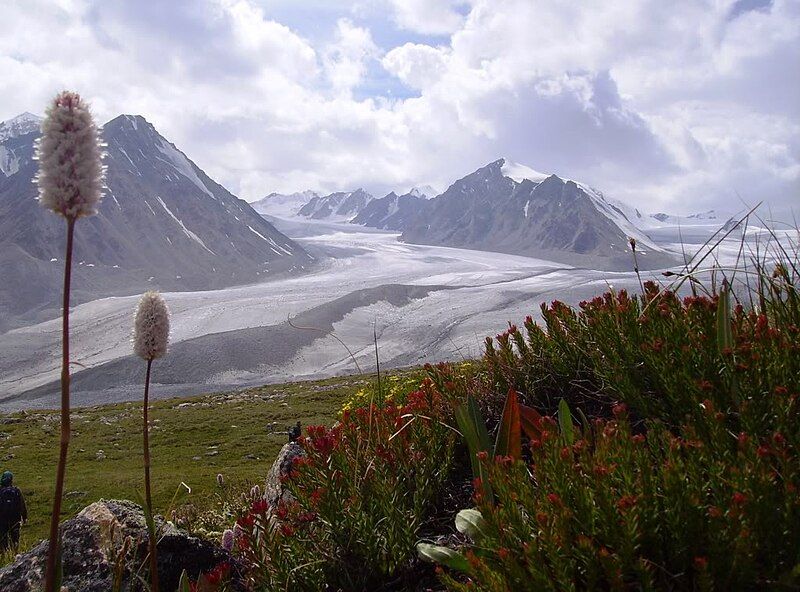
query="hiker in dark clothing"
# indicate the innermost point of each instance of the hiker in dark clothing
(12, 512)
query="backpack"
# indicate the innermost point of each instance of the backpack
(9, 506)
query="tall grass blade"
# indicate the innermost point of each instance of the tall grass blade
(183, 582)
(724, 331)
(565, 422)
(471, 424)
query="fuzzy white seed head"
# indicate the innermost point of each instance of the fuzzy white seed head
(70, 156)
(151, 327)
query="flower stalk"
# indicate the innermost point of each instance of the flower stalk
(151, 333)
(70, 182)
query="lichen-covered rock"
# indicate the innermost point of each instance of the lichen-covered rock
(274, 491)
(110, 533)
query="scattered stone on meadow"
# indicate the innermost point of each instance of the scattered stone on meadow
(100, 455)
(93, 540)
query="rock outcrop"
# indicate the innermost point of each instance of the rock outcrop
(274, 491)
(107, 535)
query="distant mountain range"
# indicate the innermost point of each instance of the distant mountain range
(341, 205)
(162, 223)
(508, 208)
(391, 212)
(283, 205)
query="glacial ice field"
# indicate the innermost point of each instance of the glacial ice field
(425, 303)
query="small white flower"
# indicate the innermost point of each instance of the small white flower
(151, 327)
(70, 156)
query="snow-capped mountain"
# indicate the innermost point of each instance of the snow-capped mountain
(391, 212)
(162, 223)
(423, 191)
(283, 205)
(342, 205)
(511, 208)
(19, 125)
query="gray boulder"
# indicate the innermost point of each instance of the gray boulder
(107, 534)
(274, 491)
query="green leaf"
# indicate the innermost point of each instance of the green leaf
(509, 433)
(472, 426)
(565, 422)
(443, 556)
(148, 516)
(724, 331)
(471, 523)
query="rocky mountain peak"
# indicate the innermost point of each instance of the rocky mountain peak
(22, 124)
(163, 223)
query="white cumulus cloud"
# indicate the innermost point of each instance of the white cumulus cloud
(676, 106)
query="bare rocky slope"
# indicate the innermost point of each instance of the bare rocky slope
(163, 223)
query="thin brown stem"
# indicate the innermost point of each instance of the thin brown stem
(53, 545)
(148, 498)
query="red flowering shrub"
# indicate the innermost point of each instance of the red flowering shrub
(688, 476)
(659, 354)
(618, 511)
(362, 492)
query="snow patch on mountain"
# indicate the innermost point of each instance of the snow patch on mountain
(9, 162)
(615, 212)
(186, 231)
(423, 191)
(520, 172)
(182, 165)
(283, 205)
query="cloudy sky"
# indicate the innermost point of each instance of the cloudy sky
(680, 106)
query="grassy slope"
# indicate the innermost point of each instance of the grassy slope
(192, 440)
